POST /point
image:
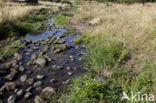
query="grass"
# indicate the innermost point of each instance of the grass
(61, 21)
(29, 23)
(19, 18)
(121, 53)
(8, 50)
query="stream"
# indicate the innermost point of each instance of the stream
(50, 59)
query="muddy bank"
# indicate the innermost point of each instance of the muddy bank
(47, 63)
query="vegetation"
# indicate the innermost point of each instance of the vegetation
(20, 18)
(8, 50)
(121, 49)
(61, 21)
(118, 60)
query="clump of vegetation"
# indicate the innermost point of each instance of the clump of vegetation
(8, 50)
(105, 51)
(61, 21)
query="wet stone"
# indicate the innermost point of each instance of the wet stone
(20, 92)
(41, 62)
(71, 57)
(27, 95)
(30, 81)
(53, 81)
(23, 78)
(68, 68)
(70, 73)
(36, 84)
(57, 50)
(12, 99)
(36, 48)
(29, 89)
(40, 77)
(12, 75)
(39, 89)
(77, 47)
(8, 86)
(33, 56)
(49, 91)
(21, 68)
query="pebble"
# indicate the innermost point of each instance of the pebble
(21, 68)
(70, 73)
(30, 81)
(41, 62)
(68, 68)
(39, 89)
(27, 95)
(29, 89)
(23, 78)
(12, 75)
(75, 68)
(49, 90)
(12, 99)
(33, 56)
(40, 77)
(53, 80)
(36, 48)
(20, 92)
(8, 86)
(36, 84)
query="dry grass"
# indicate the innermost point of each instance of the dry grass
(132, 24)
(11, 11)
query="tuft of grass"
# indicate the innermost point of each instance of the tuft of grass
(85, 38)
(61, 21)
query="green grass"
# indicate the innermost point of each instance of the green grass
(61, 21)
(104, 52)
(11, 49)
